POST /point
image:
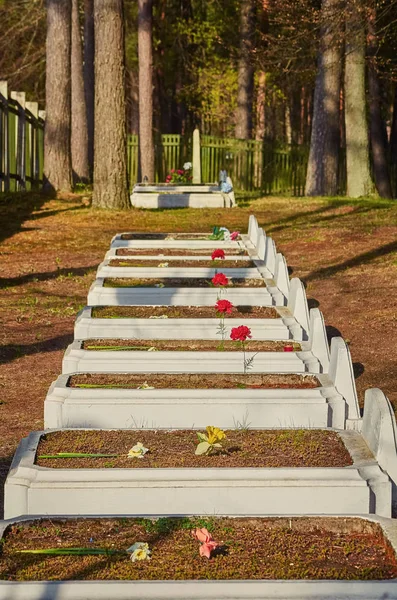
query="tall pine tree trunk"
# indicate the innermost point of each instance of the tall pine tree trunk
(359, 181)
(322, 172)
(145, 52)
(110, 140)
(57, 156)
(245, 71)
(260, 107)
(377, 127)
(79, 135)
(89, 77)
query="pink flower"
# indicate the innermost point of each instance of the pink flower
(219, 253)
(288, 347)
(224, 306)
(208, 544)
(180, 172)
(172, 171)
(220, 279)
(168, 179)
(234, 235)
(241, 333)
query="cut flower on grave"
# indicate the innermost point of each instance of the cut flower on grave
(220, 280)
(210, 441)
(218, 253)
(137, 451)
(139, 551)
(208, 544)
(223, 306)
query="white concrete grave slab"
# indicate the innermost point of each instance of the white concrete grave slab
(118, 242)
(119, 408)
(314, 357)
(362, 488)
(162, 197)
(161, 257)
(78, 360)
(202, 590)
(100, 295)
(380, 432)
(105, 270)
(293, 323)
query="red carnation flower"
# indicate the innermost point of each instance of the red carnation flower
(234, 235)
(219, 253)
(220, 279)
(224, 306)
(241, 333)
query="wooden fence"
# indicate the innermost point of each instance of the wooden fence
(171, 152)
(21, 142)
(253, 165)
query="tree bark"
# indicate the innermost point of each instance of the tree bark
(57, 156)
(260, 107)
(322, 171)
(89, 77)
(393, 132)
(145, 52)
(359, 181)
(377, 127)
(79, 135)
(245, 71)
(110, 140)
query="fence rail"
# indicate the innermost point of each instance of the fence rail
(253, 165)
(21, 142)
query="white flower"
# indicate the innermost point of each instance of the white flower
(137, 451)
(163, 264)
(226, 233)
(187, 166)
(145, 386)
(139, 551)
(159, 285)
(160, 317)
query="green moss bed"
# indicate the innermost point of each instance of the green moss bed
(200, 264)
(134, 345)
(185, 282)
(194, 381)
(176, 449)
(182, 312)
(160, 252)
(251, 548)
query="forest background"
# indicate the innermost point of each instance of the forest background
(310, 74)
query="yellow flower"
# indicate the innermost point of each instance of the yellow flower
(214, 434)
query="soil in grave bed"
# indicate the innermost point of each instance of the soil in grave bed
(251, 548)
(186, 345)
(169, 236)
(193, 381)
(176, 449)
(178, 282)
(198, 264)
(181, 312)
(177, 252)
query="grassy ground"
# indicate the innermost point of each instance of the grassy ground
(345, 251)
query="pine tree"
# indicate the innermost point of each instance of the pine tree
(110, 140)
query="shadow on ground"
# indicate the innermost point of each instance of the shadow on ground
(46, 276)
(10, 352)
